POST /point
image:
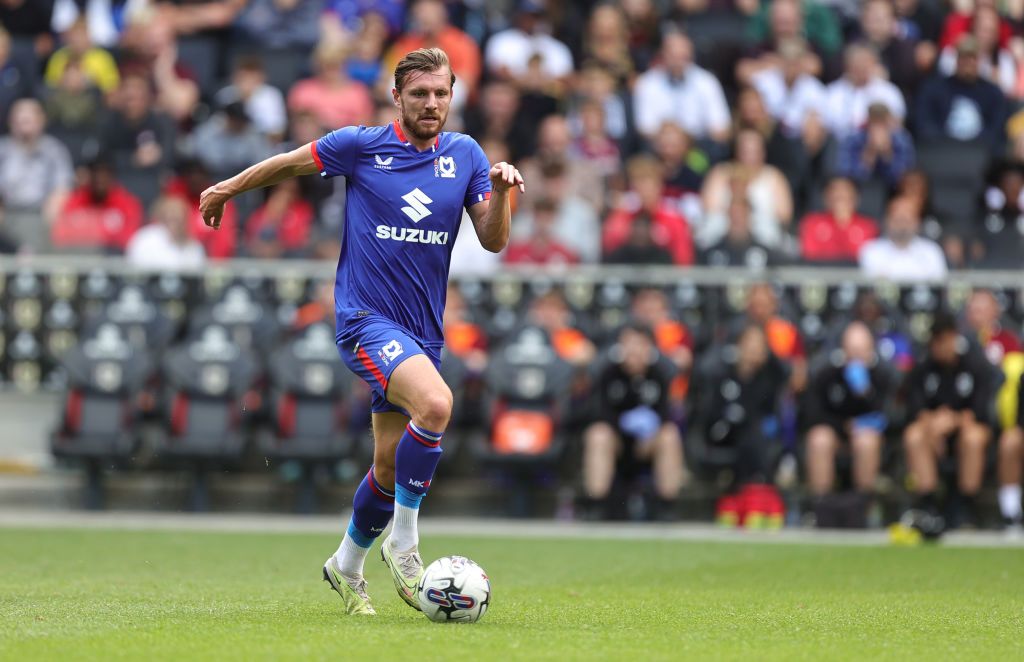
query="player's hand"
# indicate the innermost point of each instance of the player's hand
(505, 175)
(211, 206)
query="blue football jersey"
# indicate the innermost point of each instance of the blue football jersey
(403, 209)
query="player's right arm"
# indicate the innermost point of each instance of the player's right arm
(268, 172)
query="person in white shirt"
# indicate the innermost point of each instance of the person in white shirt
(791, 95)
(862, 84)
(263, 103)
(679, 91)
(510, 52)
(902, 255)
(165, 242)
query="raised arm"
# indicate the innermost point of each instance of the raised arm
(268, 172)
(493, 218)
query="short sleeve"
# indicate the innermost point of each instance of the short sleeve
(479, 181)
(335, 153)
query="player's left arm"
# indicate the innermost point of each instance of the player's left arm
(493, 218)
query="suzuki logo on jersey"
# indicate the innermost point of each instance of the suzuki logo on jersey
(382, 164)
(414, 235)
(390, 352)
(445, 167)
(418, 201)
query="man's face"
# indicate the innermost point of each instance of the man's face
(858, 343)
(424, 102)
(785, 19)
(636, 351)
(677, 53)
(877, 21)
(762, 304)
(982, 310)
(902, 224)
(100, 181)
(967, 67)
(429, 17)
(27, 120)
(841, 198)
(860, 66)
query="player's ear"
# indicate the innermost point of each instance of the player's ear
(396, 96)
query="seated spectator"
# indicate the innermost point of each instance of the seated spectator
(542, 246)
(763, 185)
(920, 20)
(650, 306)
(784, 339)
(882, 151)
(998, 242)
(685, 164)
(848, 99)
(984, 325)
(100, 216)
(597, 85)
(670, 229)
(791, 95)
(74, 109)
(679, 91)
(188, 185)
(606, 43)
(35, 176)
(995, 61)
(263, 103)
(149, 49)
(776, 22)
(896, 50)
(593, 143)
(845, 411)
(97, 65)
(462, 337)
(165, 243)
(735, 401)
(739, 248)
(139, 138)
(283, 28)
(902, 255)
(528, 55)
(963, 106)
(836, 235)
(228, 142)
(960, 21)
(892, 339)
(555, 145)
(632, 425)
(336, 100)
(500, 116)
(281, 226)
(948, 395)
(640, 246)
(551, 313)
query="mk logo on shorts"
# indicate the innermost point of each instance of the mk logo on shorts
(390, 352)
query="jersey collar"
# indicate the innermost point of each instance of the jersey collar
(401, 136)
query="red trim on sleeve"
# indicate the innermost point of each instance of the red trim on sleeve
(487, 195)
(316, 157)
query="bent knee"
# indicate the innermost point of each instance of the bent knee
(435, 409)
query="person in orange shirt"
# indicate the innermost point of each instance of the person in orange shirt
(550, 312)
(783, 336)
(673, 338)
(462, 337)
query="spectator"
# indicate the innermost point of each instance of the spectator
(550, 312)
(995, 61)
(74, 109)
(896, 50)
(685, 164)
(777, 21)
(577, 226)
(139, 138)
(228, 143)
(948, 395)
(281, 226)
(640, 246)
(999, 241)
(792, 96)
(606, 43)
(342, 18)
(498, 117)
(892, 341)
(836, 235)
(336, 100)
(845, 409)
(902, 255)
(104, 19)
(99, 216)
(542, 247)
(526, 54)
(35, 175)
(14, 84)
(263, 103)
(921, 21)
(650, 307)
(882, 151)
(961, 21)
(554, 145)
(593, 143)
(429, 28)
(149, 49)
(462, 337)
(192, 180)
(734, 402)
(632, 422)
(763, 186)
(679, 91)
(596, 85)
(670, 229)
(982, 315)
(165, 242)
(739, 248)
(962, 106)
(365, 62)
(848, 99)
(282, 27)
(784, 339)
(96, 64)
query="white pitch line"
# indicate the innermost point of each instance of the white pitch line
(487, 528)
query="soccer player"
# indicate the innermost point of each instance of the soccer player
(407, 185)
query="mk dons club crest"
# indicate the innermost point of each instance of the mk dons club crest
(446, 167)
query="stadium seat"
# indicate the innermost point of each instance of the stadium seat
(99, 411)
(308, 391)
(206, 381)
(956, 175)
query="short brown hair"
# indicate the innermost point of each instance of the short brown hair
(422, 59)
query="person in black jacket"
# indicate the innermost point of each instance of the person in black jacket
(845, 410)
(632, 422)
(948, 396)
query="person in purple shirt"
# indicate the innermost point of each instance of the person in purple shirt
(408, 183)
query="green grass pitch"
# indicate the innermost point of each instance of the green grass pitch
(106, 595)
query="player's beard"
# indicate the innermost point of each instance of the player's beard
(418, 131)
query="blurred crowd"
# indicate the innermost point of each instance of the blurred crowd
(884, 133)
